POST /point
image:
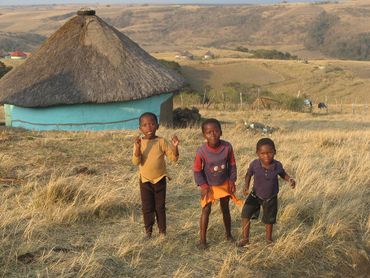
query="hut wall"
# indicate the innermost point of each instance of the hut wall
(109, 116)
(166, 117)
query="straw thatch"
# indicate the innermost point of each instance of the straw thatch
(87, 61)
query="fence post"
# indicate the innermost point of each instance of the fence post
(241, 100)
(204, 96)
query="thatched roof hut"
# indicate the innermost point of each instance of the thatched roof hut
(85, 62)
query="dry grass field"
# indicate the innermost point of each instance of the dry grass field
(70, 204)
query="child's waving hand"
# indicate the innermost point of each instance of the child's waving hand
(175, 141)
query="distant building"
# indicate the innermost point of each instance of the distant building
(185, 55)
(17, 55)
(88, 76)
(208, 55)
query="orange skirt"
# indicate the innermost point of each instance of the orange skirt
(218, 192)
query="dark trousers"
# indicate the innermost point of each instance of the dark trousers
(153, 200)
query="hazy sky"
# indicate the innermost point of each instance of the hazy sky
(32, 2)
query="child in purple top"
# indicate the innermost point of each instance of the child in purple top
(215, 173)
(265, 171)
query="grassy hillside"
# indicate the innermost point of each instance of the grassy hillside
(175, 27)
(331, 81)
(70, 204)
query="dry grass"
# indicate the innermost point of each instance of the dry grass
(70, 204)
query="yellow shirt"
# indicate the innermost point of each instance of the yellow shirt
(152, 166)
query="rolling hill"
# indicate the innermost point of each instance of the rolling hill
(175, 27)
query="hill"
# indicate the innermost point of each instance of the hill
(25, 41)
(331, 81)
(302, 29)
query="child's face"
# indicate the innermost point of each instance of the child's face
(148, 126)
(212, 134)
(266, 154)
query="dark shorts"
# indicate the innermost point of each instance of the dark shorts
(253, 204)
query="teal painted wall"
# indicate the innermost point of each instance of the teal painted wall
(119, 115)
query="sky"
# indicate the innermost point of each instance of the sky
(37, 2)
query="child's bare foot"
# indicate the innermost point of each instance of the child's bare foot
(202, 245)
(147, 236)
(243, 243)
(270, 242)
(230, 238)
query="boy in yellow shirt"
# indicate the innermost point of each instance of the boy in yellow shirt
(149, 152)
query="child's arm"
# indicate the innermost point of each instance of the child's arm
(136, 158)
(171, 150)
(199, 177)
(285, 176)
(247, 179)
(232, 171)
(247, 184)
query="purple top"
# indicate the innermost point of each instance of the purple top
(213, 166)
(266, 184)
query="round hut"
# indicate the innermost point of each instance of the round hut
(88, 76)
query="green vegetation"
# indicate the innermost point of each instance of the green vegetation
(171, 65)
(356, 47)
(323, 36)
(272, 54)
(267, 53)
(319, 30)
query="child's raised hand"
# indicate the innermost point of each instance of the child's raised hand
(138, 142)
(175, 141)
(231, 187)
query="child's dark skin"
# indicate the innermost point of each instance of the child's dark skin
(265, 154)
(149, 126)
(212, 133)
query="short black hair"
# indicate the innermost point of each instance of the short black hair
(211, 121)
(265, 141)
(150, 114)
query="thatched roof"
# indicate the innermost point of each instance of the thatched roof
(87, 61)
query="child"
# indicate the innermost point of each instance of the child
(149, 152)
(265, 170)
(215, 173)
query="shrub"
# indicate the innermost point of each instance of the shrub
(272, 54)
(4, 69)
(171, 65)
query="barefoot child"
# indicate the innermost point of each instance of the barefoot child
(215, 173)
(265, 171)
(149, 152)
